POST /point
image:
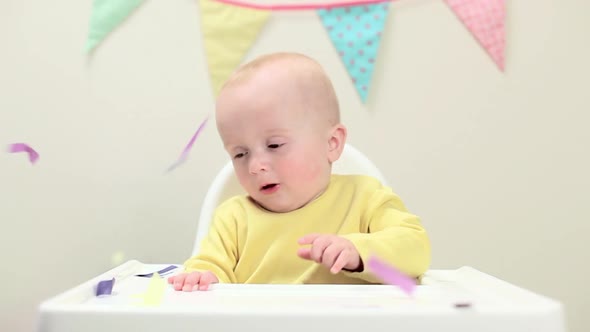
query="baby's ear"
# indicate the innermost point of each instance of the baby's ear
(336, 142)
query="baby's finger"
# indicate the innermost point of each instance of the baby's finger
(304, 253)
(179, 281)
(330, 255)
(317, 248)
(309, 238)
(191, 280)
(206, 280)
(340, 262)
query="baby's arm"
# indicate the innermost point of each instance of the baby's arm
(216, 259)
(394, 235)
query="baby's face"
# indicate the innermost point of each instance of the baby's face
(279, 152)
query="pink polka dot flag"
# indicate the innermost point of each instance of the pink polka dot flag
(355, 32)
(485, 19)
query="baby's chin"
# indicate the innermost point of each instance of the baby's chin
(278, 208)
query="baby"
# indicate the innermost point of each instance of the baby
(278, 118)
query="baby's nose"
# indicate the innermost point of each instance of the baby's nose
(257, 165)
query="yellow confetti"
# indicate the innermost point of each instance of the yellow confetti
(154, 293)
(117, 258)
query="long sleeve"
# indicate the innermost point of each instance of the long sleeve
(247, 244)
(392, 234)
(219, 249)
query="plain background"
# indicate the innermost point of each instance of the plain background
(496, 164)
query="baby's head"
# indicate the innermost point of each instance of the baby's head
(279, 120)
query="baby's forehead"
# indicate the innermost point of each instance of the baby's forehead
(284, 84)
(283, 71)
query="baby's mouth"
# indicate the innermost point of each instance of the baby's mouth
(271, 187)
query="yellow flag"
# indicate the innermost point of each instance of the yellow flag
(228, 33)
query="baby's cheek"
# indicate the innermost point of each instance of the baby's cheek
(242, 176)
(289, 169)
(303, 171)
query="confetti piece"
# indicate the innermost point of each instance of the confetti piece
(105, 287)
(185, 152)
(117, 258)
(162, 272)
(462, 305)
(390, 275)
(154, 293)
(22, 147)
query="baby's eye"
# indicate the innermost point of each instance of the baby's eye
(274, 146)
(239, 155)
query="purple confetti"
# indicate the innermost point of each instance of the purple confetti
(105, 287)
(462, 305)
(185, 152)
(22, 147)
(390, 275)
(162, 272)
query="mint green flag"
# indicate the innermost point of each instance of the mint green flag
(106, 16)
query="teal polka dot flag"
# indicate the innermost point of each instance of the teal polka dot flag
(355, 32)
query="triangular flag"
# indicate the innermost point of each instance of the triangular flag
(355, 32)
(228, 33)
(485, 19)
(106, 16)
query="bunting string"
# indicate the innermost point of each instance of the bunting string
(302, 6)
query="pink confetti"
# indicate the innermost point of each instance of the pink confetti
(390, 275)
(22, 147)
(185, 152)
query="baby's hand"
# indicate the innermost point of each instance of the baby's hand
(193, 281)
(334, 252)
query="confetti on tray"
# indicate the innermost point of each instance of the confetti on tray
(390, 275)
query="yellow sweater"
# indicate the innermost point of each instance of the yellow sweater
(247, 244)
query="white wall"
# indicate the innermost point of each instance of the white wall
(495, 164)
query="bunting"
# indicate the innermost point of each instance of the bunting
(228, 33)
(355, 28)
(485, 20)
(355, 32)
(106, 16)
